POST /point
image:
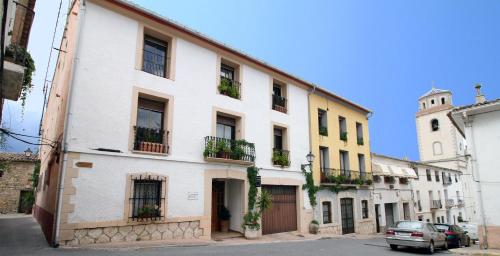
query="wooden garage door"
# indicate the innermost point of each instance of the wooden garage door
(282, 217)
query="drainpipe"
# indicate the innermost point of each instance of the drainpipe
(476, 178)
(309, 92)
(64, 144)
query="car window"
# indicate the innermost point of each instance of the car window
(442, 227)
(409, 225)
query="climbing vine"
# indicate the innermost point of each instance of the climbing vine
(252, 173)
(311, 188)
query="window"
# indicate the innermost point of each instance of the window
(155, 56)
(322, 122)
(150, 134)
(438, 220)
(327, 212)
(416, 172)
(428, 173)
(343, 128)
(434, 125)
(359, 133)
(437, 176)
(364, 208)
(280, 155)
(147, 198)
(324, 160)
(423, 105)
(1, 173)
(419, 203)
(279, 97)
(456, 177)
(432, 102)
(229, 84)
(344, 163)
(226, 128)
(442, 101)
(442, 217)
(362, 168)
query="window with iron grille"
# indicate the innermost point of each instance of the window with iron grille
(327, 212)
(364, 207)
(428, 173)
(147, 198)
(155, 56)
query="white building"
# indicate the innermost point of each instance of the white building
(140, 107)
(392, 191)
(413, 190)
(480, 124)
(439, 142)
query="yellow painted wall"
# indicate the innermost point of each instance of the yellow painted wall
(332, 141)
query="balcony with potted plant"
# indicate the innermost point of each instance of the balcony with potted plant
(229, 88)
(150, 140)
(228, 151)
(281, 157)
(345, 177)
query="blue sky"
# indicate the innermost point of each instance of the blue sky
(381, 54)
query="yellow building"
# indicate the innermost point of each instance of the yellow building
(341, 143)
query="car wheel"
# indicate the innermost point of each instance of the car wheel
(393, 246)
(431, 248)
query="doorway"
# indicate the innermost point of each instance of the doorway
(347, 214)
(389, 215)
(377, 220)
(218, 192)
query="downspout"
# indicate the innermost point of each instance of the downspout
(62, 170)
(476, 178)
(309, 92)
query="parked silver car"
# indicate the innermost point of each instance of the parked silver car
(416, 234)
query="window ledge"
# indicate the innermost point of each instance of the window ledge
(281, 167)
(153, 75)
(228, 161)
(148, 153)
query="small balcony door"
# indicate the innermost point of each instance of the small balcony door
(344, 163)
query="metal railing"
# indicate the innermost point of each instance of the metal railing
(154, 63)
(281, 157)
(450, 203)
(436, 204)
(146, 198)
(230, 87)
(279, 103)
(150, 140)
(342, 176)
(222, 148)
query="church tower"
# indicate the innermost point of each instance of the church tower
(440, 143)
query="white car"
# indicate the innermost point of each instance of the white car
(471, 229)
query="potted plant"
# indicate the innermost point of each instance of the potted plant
(224, 86)
(147, 211)
(279, 158)
(210, 150)
(224, 217)
(251, 219)
(314, 227)
(223, 149)
(238, 152)
(360, 141)
(323, 131)
(343, 136)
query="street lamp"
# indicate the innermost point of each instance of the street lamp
(310, 159)
(28, 152)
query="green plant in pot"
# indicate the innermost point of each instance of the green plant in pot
(224, 217)
(210, 150)
(238, 151)
(251, 220)
(148, 211)
(343, 136)
(223, 149)
(314, 227)
(224, 86)
(279, 158)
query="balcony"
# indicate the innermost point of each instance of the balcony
(150, 140)
(281, 157)
(279, 103)
(345, 177)
(323, 131)
(436, 204)
(229, 151)
(230, 88)
(450, 203)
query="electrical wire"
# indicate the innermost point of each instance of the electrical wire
(14, 135)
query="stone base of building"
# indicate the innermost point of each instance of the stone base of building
(140, 232)
(493, 241)
(365, 227)
(330, 229)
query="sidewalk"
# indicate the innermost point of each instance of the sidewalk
(272, 238)
(475, 251)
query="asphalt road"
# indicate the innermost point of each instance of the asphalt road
(22, 236)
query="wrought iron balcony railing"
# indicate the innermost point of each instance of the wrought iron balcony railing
(281, 157)
(230, 88)
(340, 176)
(450, 203)
(150, 140)
(221, 148)
(279, 103)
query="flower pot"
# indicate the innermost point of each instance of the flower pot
(313, 228)
(251, 233)
(152, 147)
(224, 226)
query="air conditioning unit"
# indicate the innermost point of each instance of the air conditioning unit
(391, 186)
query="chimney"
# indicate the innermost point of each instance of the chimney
(479, 96)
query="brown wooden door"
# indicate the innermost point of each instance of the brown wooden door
(217, 203)
(282, 216)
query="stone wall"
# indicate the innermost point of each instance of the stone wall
(141, 232)
(366, 227)
(330, 229)
(16, 177)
